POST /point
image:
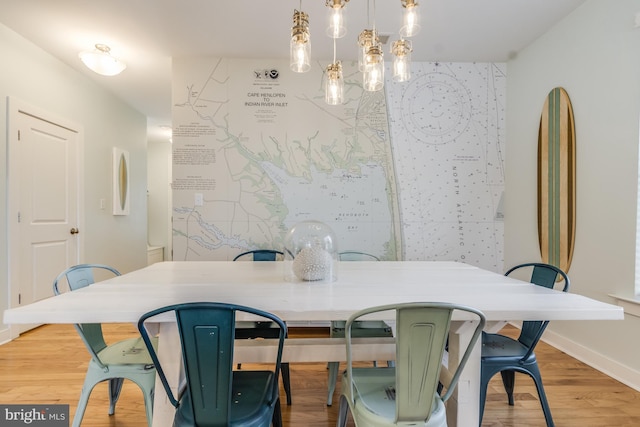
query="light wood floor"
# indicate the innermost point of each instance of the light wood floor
(47, 365)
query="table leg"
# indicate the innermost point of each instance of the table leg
(171, 361)
(463, 407)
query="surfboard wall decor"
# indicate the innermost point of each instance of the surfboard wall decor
(557, 180)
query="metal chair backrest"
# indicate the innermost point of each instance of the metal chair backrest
(207, 332)
(545, 275)
(421, 335)
(77, 277)
(357, 256)
(261, 255)
(80, 275)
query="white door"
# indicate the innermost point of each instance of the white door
(43, 179)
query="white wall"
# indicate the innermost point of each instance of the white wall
(38, 79)
(595, 55)
(159, 195)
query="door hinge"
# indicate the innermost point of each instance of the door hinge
(19, 299)
(18, 216)
(18, 135)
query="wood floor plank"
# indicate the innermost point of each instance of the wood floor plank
(47, 365)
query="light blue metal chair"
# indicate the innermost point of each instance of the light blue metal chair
(214, 394)
(508, 356)
(127, 359)
(362, 329)
(406, 394)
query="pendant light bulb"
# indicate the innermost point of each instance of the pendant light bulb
(334, 84)
(337, 27)
(373, 74)
(300, 53)
(401, 50)
(411, 19)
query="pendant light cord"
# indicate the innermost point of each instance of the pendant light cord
(334, 50)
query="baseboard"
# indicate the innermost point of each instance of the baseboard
(615, 370)
(5, 336)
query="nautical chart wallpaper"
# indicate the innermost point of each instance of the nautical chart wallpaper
(412, 172)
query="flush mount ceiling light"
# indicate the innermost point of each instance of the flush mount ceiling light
(100, 61)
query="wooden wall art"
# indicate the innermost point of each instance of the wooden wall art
(557, 180)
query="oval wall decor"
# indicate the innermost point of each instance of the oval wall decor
(120, 182)
(557, 180)
(123, 179)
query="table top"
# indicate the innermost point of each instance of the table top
(262, 285)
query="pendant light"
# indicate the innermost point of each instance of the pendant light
(365, 41)
(373, 75)
(334, 82)
(370, 56)
(401, 50)
(373, 72)
(300, 54)
(337, 27)
(411, 19)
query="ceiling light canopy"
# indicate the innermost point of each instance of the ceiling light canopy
(101, 61)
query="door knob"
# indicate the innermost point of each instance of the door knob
(74, 231)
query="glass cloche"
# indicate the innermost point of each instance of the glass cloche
(311, 253)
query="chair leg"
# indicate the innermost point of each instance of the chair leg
(276, 420)
(87, 387)
(115, 386)
(484, 383)
(537, 379)
(147, 386)
(509, 380)
(343, 412)
(332, 379)
(286, 380)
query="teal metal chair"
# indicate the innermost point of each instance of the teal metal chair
(127, 359)
(213, 393)
(406, 394)
(260, 255)
(362, 329)
(508, 356)
(252, 330)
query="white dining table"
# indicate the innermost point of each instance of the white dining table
(359, 285)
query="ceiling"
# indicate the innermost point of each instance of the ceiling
(146, 34)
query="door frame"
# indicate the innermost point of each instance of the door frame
(15, 107)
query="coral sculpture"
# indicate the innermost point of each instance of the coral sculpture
(312, 264)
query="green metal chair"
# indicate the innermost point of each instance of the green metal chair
(252, 330)
(213, 393)
(508, 356)
(406, 394)
(127, 359)
(362, 329)
(357, 256)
